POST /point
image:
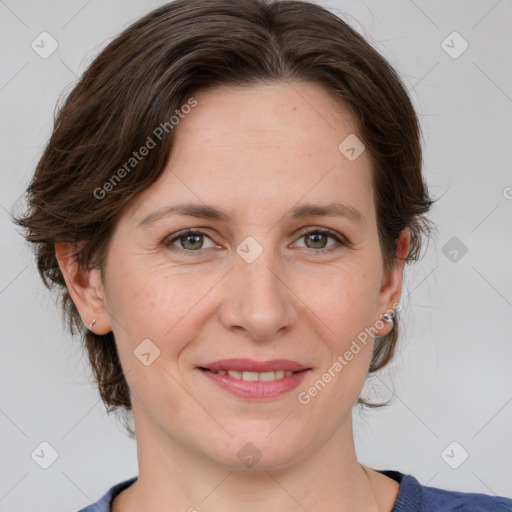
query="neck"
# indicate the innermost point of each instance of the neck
(172, 476)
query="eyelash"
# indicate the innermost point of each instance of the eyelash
(169, 242)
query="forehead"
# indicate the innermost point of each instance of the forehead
(282, 116)
(263, 144)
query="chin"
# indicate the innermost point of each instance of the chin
(256, 450)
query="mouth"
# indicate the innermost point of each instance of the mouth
(250, 379)
(253, 376)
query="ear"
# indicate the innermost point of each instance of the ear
(85, 288)
(391, 286)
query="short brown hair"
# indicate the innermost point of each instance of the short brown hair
(145, 75)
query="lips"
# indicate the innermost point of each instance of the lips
(254, 376)
(255, 379)
(250, 365)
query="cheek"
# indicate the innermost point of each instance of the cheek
(345, 301)
(345, 310)
(345, 306)
(155, 302)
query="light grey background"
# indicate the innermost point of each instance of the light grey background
(452, 378)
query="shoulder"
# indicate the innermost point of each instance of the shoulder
(414, 497)
(104, 503)
(435, 499)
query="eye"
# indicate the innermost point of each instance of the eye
(189, 240)
(317, 239)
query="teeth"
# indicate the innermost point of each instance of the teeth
(254, 376)
(266, 376)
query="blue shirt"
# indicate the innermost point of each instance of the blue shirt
(412, 497)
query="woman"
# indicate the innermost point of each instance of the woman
(227, 203)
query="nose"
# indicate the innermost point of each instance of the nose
(258, 301)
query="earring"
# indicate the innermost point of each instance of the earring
(389, 318)
(91, 324)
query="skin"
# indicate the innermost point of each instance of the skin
(257, 152)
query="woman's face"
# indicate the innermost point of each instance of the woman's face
(251, 284)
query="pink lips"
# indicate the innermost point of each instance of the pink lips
(258, 390)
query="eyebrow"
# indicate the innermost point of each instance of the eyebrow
(202, 211)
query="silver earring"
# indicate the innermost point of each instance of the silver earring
(91, 324)
(389, 318)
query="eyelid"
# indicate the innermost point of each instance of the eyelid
(169, 240)
(327, 231)
(340, 238)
